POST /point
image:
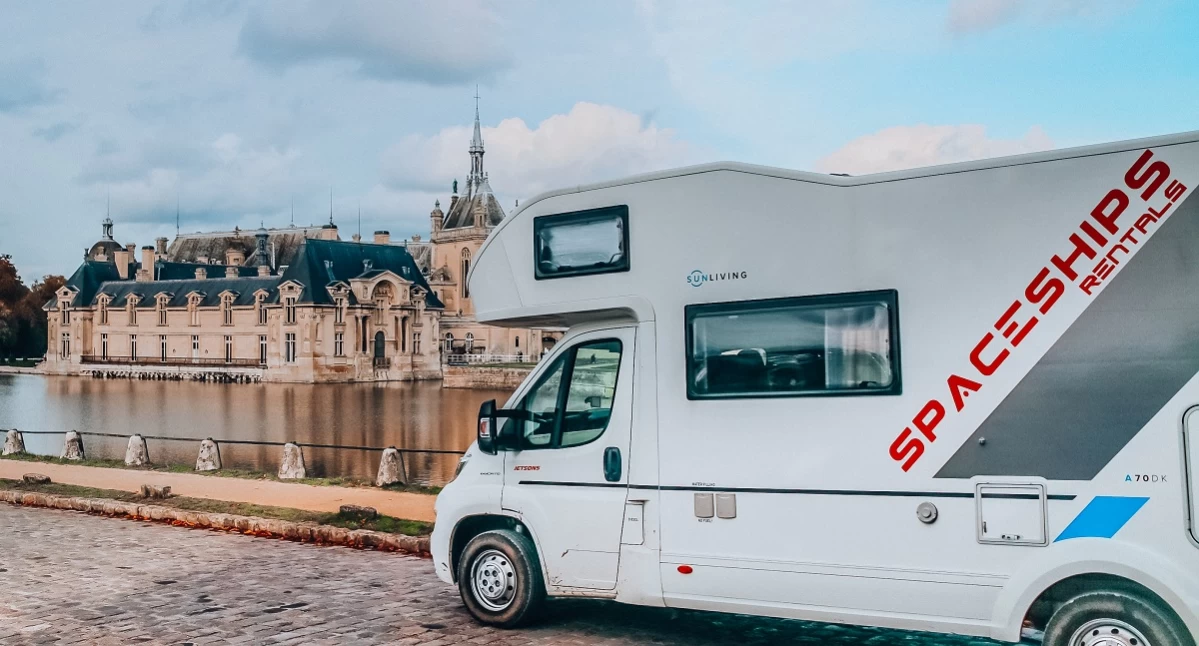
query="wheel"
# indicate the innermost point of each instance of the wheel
(1110, 618)
(500, 579)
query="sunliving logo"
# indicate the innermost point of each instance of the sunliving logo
(697, 278)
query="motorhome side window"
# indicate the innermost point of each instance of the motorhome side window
(821, 345)
(572, 402)
(581, 243)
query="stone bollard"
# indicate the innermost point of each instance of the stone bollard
(136, 454)
(72, 446)
(292, 466)
(391, 468)
(14, 443)
(210, 456)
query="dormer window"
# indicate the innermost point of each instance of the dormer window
(260, 307)
(193, 309)
(227, 309)
(102, 309)
(131, 310)
(161, 308)
(64, 314)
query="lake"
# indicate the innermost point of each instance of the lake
(409, 415)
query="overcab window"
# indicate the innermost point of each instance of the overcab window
(845, 344)
(581, 243)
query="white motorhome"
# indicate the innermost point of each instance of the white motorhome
(955, 399)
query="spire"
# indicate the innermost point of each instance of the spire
(476, 177)
(107, 223)
(330, 205)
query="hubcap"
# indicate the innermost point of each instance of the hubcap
(1108, 632)
(493, 580)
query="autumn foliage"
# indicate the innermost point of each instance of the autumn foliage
(22, 320)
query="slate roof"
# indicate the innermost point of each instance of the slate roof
(179, 290)
(189, 247)
(86, 280)
(462, 213)
(321, 262)
(187, 270)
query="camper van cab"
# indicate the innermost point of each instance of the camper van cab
(957, 399)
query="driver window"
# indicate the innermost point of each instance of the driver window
(553, 419)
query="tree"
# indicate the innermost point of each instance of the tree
(22, 320)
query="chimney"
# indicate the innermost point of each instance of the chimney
(382, 237)
(201, 273)
(235, 256)
(230, 271)
(416, 237)
(131, 248)
(356, 237)
(122, 257)
(146, 273)
(162, 246)
(264, 270)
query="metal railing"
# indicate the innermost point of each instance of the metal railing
(341, 447)
(462, 359)
(169, 361)
(382, 363)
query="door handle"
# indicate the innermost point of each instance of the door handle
(612, 465)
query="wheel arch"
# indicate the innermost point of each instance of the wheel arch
(1031, 593)
(469, 527)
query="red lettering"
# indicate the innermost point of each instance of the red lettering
(1089, 283)
(1115, 201)
(1089, 229)
(1080, 249)
(1175, 191)
(987, 369)
(1041, 290)
(961, 388)
(928, 418)
(1143, 223)
(1158, 171)
(905, 450)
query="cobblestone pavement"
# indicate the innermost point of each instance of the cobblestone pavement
(70, 578)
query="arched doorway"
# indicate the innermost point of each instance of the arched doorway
(380, 347)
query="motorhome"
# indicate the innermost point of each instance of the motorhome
(958, 399)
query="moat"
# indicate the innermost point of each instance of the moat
(408, 415)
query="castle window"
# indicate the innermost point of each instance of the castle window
(65, 314)
(162, 347)
(132, 346)
(259, 303)
(227, 309)
(289, 347)
(262, 350)
(449, 342)
(103, 310)
(465, 271)
(289, 310)
(339, 314)
(103, 346)
(131, 311)
(470, 342)
(64, 349)
(416, 343)
(161, 307)
(339, 344)
(228, 349)
(193, 309)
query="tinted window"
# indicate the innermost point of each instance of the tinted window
(586, 242)
(549, 417)
(823, 345)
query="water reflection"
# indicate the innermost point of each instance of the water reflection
(407, 415)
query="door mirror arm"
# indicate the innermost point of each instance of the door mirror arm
(494, 437)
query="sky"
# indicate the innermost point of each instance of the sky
(241, 113)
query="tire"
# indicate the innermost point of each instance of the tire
(1110, 618)
(499, 577)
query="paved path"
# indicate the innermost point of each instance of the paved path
(398, 504)
(70, 578)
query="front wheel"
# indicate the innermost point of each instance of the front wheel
(1109, 618)
(500, 579)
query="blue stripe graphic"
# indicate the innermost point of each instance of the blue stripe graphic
(1102, 517)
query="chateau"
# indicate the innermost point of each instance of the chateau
(295, 304)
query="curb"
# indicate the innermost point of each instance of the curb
(254, 526)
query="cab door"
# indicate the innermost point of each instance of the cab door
(568, 475)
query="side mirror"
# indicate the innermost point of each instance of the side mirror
(487, 427)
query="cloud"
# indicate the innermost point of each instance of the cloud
(966, 16)
(590, 143)
(55, 131)
(223, 180)
(437, 43)
(23, 85)
(902, 147)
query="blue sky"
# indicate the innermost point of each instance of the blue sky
(238, 110)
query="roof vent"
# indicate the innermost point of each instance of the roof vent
(366, 264)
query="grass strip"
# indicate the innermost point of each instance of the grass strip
(386, 524)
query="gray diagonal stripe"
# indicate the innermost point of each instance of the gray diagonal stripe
(1116, 366)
